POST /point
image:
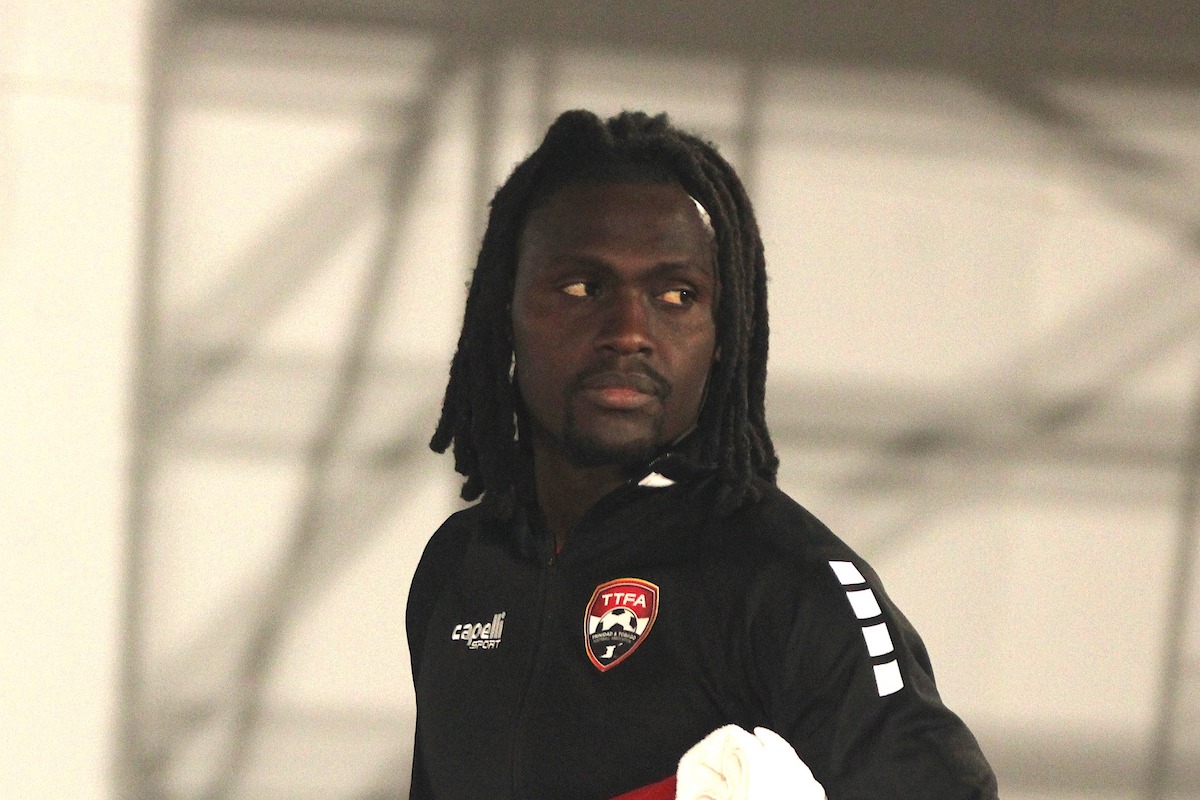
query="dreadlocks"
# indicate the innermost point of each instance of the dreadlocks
(482, 405)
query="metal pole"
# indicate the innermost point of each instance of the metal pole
(136, 770)
(1160, 760)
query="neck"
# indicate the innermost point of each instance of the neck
(565, 491)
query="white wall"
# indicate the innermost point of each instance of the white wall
(70, 136)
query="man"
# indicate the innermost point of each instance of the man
(631, 578)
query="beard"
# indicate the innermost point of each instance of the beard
(581, 445)
(583, 450)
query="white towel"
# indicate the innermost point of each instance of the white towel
(733, 764)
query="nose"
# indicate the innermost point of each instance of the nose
(626, 325)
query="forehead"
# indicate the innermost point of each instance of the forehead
(634, 215)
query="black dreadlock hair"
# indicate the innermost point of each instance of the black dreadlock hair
(481, 405)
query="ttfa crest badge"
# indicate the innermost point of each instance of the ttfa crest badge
(618, 618)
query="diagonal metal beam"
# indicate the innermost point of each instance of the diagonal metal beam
(1073, 372)
(1053, 388)
(1147, 185)
(277, 605)
(203, 678)
(284, 260)
(1083, 364)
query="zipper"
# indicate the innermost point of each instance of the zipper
(594, 516)
(546, 574)
(549, 569)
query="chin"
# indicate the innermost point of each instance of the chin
(588, 452)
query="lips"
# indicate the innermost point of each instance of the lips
(622, 391)
(635, 381)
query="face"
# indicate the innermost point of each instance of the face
(612, 315)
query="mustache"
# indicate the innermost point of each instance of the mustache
(640, 376)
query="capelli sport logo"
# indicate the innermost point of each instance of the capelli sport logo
(480, 635)
(618, 619)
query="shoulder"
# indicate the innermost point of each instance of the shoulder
(443, 554)
(458, 528)
(777, 530)
(795, 574)
(842, 668)
(445, 549)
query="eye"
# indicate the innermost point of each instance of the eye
(581, 289)
(678, 297)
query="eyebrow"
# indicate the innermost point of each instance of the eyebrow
(583, 260)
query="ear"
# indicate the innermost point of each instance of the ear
(716, 354)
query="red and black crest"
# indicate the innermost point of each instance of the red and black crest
(618, 619)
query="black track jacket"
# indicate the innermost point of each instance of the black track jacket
(589, 673)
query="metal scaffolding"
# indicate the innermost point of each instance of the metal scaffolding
(1053, 405)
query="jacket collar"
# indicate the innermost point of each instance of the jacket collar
(671, 469)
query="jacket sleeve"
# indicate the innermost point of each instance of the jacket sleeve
(438, 563)
(851, 687)
(419, 788)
